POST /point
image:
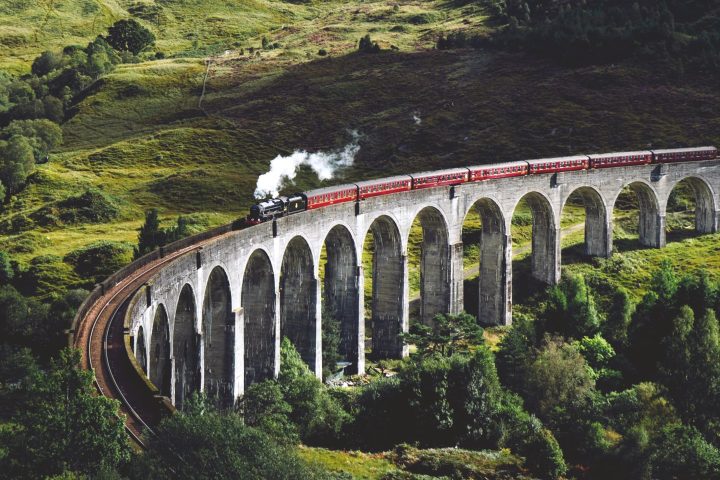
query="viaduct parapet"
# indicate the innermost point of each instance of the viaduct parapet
(212, 319)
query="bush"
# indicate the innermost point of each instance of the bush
(366, 45)
(91, 206)
(100, 259)
(210, 445)
(318, 417)
(129, 36)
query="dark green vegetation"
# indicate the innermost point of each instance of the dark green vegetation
(680, 34)
(611, 374)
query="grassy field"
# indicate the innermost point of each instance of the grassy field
(144, 137)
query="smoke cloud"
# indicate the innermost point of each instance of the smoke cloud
(324, 164)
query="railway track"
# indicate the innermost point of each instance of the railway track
(100, 337)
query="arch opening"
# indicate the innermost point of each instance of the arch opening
(636, 217)
(340, 302)
(258, 304)
(533, 216)
(160, 364)
(140, 352)
(384, 266)
(186, 348)
(428, 266)
(690, 207)
(298, 299)
(218, 335)
(584, 220)
(485, 245)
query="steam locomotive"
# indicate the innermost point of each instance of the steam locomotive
(298, 202)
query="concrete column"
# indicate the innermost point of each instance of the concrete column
(706, 220)
(360, 293)
(276, 336)
(456, 277)
(545, 258)
(598, 232)
(495, 281)
(318, 328)
(239, 354)
(404, 349)
(652, 229)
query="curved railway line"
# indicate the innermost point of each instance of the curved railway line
(99, 335)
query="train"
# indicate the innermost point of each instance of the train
(354, 192)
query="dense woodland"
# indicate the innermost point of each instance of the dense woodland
(591, 381)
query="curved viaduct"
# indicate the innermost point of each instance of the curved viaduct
(211, 319)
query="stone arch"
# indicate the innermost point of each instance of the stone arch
(388, 289)
(218, 336)
(258, 304)
(341, 295)
(705, 217)
(140, 350)
(598, 233)
(495, 274)
(434, 264)
(186, 347)
(544, 259)
(160, 364)
(298, 299)
(651, 223)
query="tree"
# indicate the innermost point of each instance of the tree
(64, 426)
(615, 328)
(16, 162)
(449, 334)
(6, 270)
(515, 352)
(43, 135)
(264, 407)
(316, 414)
(682, 452)
(331, 338)
(46, 63)
(129, 35)
(558, 380)
(206, 444)
(150, 236)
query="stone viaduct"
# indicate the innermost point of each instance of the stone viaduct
(212, 319)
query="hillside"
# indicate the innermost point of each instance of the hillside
(189, 134)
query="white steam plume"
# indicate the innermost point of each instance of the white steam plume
(324, 164)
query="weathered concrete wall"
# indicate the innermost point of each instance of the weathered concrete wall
(262, 286)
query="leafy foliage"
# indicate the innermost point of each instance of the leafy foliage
(99, 260)
(63, 426)
(130, 36)
(203, 444)
(151, 236)
(448, 334)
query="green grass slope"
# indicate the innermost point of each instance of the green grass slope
(191, 133)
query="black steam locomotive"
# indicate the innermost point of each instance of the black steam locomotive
(276, 207)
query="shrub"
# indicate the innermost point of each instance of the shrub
(130, 36)
(100, 259)
(316, 414)
(366, 45)
(91, 206)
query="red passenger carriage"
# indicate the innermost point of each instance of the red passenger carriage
(559, 164)
(384, 186)
(620, 159)
(323, 197)
(439, 178)
(498, 170)
(684, 154)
